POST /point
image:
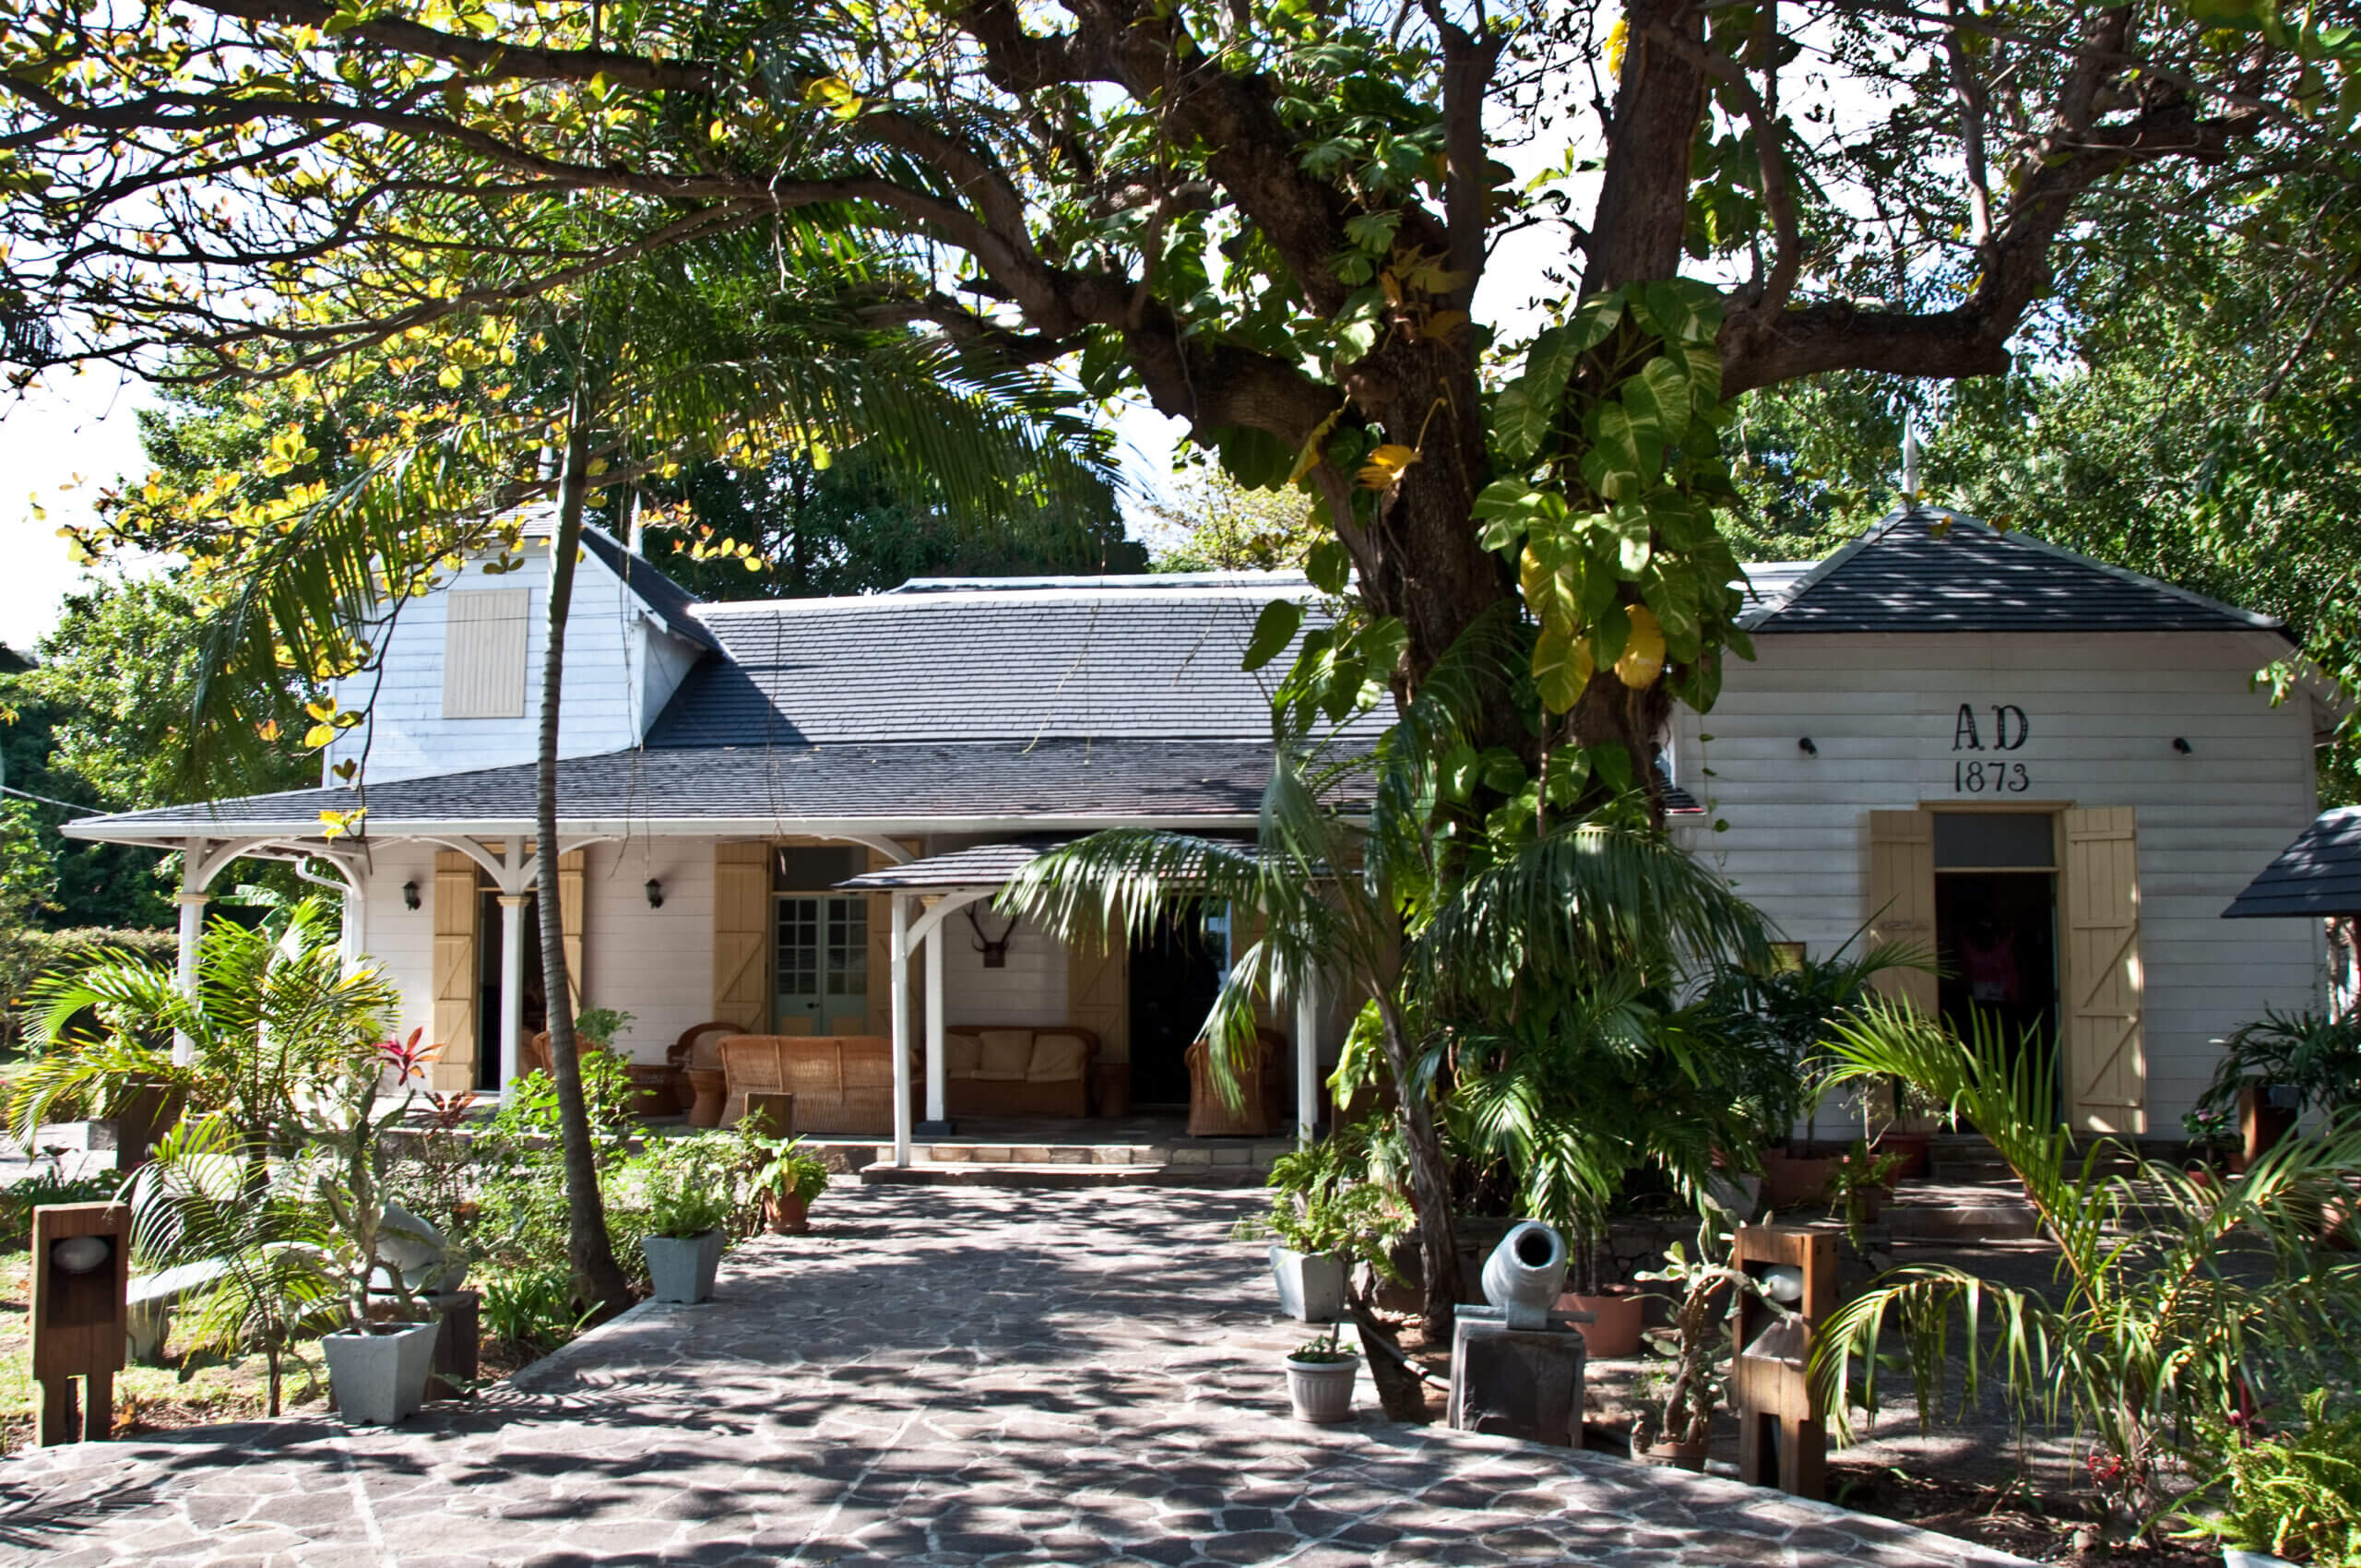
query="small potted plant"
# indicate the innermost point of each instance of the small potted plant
(1860, 1184)
(1678, 1428)
(1320, 1379)
(379, 1362)
(684, 1234)
(788, 1178)
(1324, 1216)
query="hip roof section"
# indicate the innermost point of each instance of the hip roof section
(1109, 659)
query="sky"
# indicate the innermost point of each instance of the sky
(58, 443)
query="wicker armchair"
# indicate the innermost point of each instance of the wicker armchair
(1259, 1112)
(695, 1063)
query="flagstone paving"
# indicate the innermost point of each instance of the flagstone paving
(936, 1377)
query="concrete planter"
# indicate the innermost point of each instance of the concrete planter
(376, 1379)
(680, 1268)
(1312, 1285)
(1323, 1391)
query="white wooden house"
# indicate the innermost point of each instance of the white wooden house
(1963, 736)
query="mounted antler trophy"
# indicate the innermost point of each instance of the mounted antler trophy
(993, 948)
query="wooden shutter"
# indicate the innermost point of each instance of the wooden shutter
(456, 984)
(569, 915)
(2105, 1065)
(880, 979)
(1902, 898)
(1098, 992)
(741, 909)
(483, 653)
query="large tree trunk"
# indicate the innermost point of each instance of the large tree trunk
(1430, 1186)
(597, 1276)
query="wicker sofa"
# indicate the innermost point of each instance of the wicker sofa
(1030, 1070)
(841, 1083)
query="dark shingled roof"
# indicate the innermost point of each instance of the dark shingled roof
(982, 865)
(1932, 570)
(666, 600)
(1092, 782)
(1014, 664)
(2319, 874)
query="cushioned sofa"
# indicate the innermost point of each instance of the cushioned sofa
(998, 1070)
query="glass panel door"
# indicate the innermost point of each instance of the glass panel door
(821, 978)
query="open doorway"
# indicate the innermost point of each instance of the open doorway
(1996, 922)
(1176, 971)
(488, 1014)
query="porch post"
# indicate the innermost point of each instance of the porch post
(512, 988)
(937, 1125)
(191, 899)
(1307, 1059)
(900, 981)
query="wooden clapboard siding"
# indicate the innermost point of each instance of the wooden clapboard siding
(2105, 1073)
(742, 933)
(455, 991)
(2105, 709)
(620, 671)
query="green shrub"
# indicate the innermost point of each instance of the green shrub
(680, 1204)
(26, 953)
(19, 1200)
(2295, 1494)
(533, 1311)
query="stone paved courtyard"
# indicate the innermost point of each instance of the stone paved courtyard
(937, 1376)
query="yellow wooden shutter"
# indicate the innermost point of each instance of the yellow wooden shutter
(742, 907)
(1902, 898)
(569, 915)
(1099, 993)
(454, 1026)
(880, 979)
(2104, 1066)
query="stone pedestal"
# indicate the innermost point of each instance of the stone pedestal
(1520, 1383)
(455, 1348)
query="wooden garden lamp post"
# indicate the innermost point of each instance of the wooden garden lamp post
(81, 1258)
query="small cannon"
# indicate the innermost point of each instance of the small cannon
(1516, 1366)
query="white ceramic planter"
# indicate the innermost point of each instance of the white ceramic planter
(376, 1379)
(1322, 1391)
(680, 1268)
(1312, 1285)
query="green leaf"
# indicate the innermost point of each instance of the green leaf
(1273, 630)
(1658, 399)
(1594, 321)
(1551, 574)
(1561, 668)
(1510, 508)
(1254, 457)
(1568, 771)
(1328, 564)
(1613, 764)
(1381, 643)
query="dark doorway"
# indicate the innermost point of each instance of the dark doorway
(537, 1006)
(1175, 974)
(1996, 923)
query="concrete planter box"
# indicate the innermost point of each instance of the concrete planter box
(680, 1268)
(376, 1379)
(1323, 1391)
(1312, 1285)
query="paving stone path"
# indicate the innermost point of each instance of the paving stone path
(938, 1376)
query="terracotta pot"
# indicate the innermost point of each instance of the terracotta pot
(786, 1214)
(2261, 1124)
(1681, 1456)
(1791, 1181)
(1614, 1332)
(1912, 1146)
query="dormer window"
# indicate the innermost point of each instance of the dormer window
(483, 653)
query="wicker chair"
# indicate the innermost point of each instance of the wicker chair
(1259, 1112)
(695, 1063)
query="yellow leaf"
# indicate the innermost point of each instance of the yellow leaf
(319, 735)
(1444, 322)
(1384, 468)
(1643, 659)
(321, 710)
(267, 729)
(1618, 37)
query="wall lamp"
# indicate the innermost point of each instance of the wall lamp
(655, 894)
(1806, 747)
(2180, 745)
(410, 895)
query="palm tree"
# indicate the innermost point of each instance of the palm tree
(735, 347)
(1349, 878)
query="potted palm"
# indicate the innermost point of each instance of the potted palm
(1324, 1216)
(787, 1177)
(379, 1362)
(684, 1234)
(1320, 1379)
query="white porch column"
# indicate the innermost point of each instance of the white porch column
(899, 981)
(1307, 1060)
(191, 899)
(937, 1122)
(512, 988)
